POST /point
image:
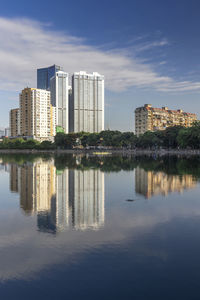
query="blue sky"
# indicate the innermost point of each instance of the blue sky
(149, 51)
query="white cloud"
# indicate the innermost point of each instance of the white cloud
(27, 45)
(151, 45)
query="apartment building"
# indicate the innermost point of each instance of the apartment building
(14, 122)
(59, 100)
(152, 119)
(36, 115)
(86, 105)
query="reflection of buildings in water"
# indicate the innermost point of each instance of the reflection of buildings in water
(87, 198)
(27, 188)
(7, 168)
(149, 183)
(54, 195)
(15, 178)
(56, 216)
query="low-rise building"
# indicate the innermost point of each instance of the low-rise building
(152, 119)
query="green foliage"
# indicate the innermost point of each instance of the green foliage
(171, 165)
(46, 145)
(65, 141)
(171, 137)
(149, 140)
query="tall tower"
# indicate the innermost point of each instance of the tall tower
(35, 113)
(86, 105)
(14, 122)
(44, 75)
(59, 100)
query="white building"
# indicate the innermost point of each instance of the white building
(86, 103)
(59, 100)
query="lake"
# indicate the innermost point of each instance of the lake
(99, 227)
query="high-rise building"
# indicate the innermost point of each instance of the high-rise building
(59, 100)
(14, 122)
(44, 75)
(152, 119)
(36, 115)
(86, 104)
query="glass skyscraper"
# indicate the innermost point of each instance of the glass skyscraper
(44, 75)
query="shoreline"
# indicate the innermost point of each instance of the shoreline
(102, 152)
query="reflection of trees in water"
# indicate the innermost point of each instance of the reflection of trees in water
(113, 163)
(167, 164)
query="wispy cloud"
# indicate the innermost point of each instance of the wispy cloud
(27, 45)
(151, 45)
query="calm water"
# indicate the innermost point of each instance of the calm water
(99, 228)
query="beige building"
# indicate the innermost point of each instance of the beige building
(150, 183)
(37, 118)
(14, 122)
(152, 119)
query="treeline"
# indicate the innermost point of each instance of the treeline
(171, 137)
(20, 143)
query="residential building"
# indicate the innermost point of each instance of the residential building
(59, 100)
(86, 105)
(44, 75)
(36, 115)
(152, 119)
(14, 122)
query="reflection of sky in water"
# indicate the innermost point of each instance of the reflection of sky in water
(118, 245)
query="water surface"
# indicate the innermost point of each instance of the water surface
(77, 227)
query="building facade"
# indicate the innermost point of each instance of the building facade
(86, 105)
(59, 100)
(152, 119)
(36, 117)
(14, 122)
(44, 75)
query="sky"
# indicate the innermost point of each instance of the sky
(148, 51)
